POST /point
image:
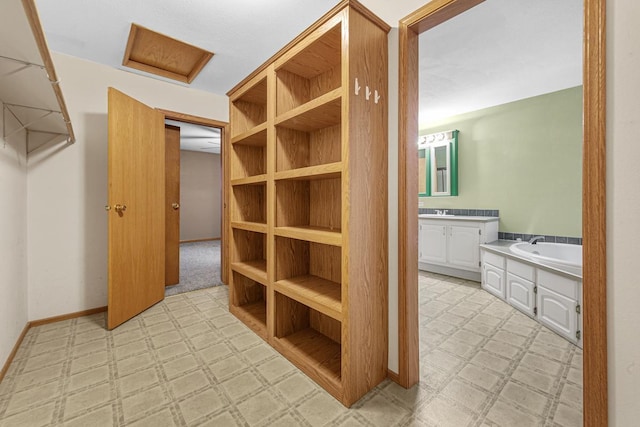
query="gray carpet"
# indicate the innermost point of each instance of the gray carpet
(199, 267)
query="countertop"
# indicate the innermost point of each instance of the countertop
(501, 247)
(459, 217)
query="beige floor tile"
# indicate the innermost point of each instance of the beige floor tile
(443, 413)
(101, 417)
(83, 400)
(161, 327)
(410, 398)
(166, 338)
(90, 361)
(480, 377)
(321, 409)
(137, 381)
(571, 395)
(224, 419)
(89, 378)
(172, 351)
(274, 369)
(180, 366)
(189, 383)
(31, 397)
(541, 363)
(567, 416)
(501, 348)
(238, 387)
(132, 349)
(466, 395)
(163, 418)
(491, 361)
(259, 407)
(258, 353)
(207, 340)
(46, 359)
(227, 368)
(36, 417)
(89, 347)
(535, 379)
(214, 353)
(136, 406)
(39, 376)
(504, 414)
(295, 387)
(135, 363)
(525, 397)
(196, 329)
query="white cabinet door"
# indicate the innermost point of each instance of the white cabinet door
(432, 243)
(558, 313)
(520, 294)
(493, 280)
(464, 247)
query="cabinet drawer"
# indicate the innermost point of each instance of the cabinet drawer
(493, 259)
(557, 283)
(521, 269)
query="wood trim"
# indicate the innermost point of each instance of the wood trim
(209, 239)
(5, 368)
(393, 376)
(595, 395)
(408, 324)
(34, 21)
(196, 120)
(336, 10)
(68, 316)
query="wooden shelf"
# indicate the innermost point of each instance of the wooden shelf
(311, 234)
(320, 294)
(254, 270)
(253, 315)
(256, 137)
(315, 354)
(257, 227)
(330, 170)
(250, 180)
(322, 112)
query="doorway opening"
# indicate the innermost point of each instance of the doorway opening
(593, 203)
(195, 255)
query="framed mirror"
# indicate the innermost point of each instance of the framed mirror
(438, 164)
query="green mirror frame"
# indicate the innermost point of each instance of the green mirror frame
(428, 172)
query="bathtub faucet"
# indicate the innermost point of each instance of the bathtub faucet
(535, 239)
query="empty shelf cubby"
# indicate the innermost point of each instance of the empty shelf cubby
(247, 161)
(248, 300)
(249, 109)
(299, 149)
(309, 203)
(248, 254)
(310, 73)
(249, 203)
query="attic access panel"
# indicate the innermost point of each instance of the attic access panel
(163, 56)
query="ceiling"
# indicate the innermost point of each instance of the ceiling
(497, 52)
(201, 139)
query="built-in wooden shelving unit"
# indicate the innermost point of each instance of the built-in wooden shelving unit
(30, 92)
(308, 168)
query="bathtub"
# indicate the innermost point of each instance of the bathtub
(559, 254)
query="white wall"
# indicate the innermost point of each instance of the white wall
(13, 239)
(67, 223)
(200, 195)
(623, 209)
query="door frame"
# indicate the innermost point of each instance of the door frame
(595, 395)
(225, 184)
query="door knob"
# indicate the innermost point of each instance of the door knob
(175, 206)
(120, 208)
(107, 207)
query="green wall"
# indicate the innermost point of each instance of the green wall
(523, 158)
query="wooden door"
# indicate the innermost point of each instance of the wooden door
(172, 205)
(136, 201)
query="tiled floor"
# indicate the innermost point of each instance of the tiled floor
(187, 361)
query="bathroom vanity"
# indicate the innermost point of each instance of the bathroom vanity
(550, 294)
(450, 244)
